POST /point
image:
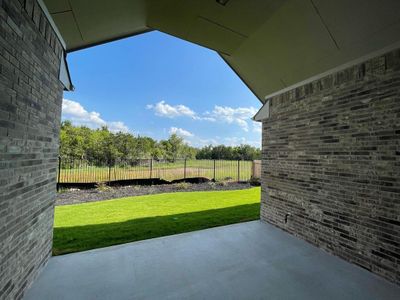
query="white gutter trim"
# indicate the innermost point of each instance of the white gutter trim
(51, 21)
(337, 69)
(64, 75)
(263, 113)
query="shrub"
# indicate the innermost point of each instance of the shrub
(211, 184)
(102, 187)
(182, 186)
(255, 181)
(62, 190)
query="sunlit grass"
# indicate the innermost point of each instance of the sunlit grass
(98, 224)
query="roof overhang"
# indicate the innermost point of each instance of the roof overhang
(271, 44)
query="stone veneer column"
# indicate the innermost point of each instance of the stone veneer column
(30, 110)
(331, 164)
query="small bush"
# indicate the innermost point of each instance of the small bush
(63, 190)
(182, 186)
(67, 190)
(211, 184)
(102, 187)
(255, 181)
(222, 183)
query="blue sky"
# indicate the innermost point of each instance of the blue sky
(155, 84)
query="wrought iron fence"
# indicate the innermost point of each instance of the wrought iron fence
(83, 171)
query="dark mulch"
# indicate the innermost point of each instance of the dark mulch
(74, 196)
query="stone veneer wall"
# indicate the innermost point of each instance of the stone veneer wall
(30, 110)
(331, 159)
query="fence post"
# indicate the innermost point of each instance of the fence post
(59, 173)
(109, 171)
(184, 170)
(214, 171)
(238, 173)
(151, 168)
(115, 172)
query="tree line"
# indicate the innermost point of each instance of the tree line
(80, 142)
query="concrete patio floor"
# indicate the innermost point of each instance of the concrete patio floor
(250, 260)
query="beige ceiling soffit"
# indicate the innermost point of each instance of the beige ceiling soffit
(337, 69)
(223, 27)
(110, 40)
(325, 25)
(263, 113)
(214, 33)
(53, 25)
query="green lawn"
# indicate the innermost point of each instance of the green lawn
(98, 224)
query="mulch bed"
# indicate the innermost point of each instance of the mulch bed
(75, 196)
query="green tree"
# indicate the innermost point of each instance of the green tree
(100, 146)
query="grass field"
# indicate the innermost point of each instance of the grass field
(99, 224)
(224, 170)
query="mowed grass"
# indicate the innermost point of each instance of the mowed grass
(99, 224)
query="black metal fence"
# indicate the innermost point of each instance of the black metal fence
(82, 171)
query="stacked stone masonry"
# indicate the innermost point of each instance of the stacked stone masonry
(331, 164)
(30, 110)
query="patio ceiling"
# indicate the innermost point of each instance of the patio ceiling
(271, 44)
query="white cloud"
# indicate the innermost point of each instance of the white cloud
(163, 109)
(257, 127)
(78, 115)
(236, 141)
(239, 116)
(194, 140)
(210, 119)
(181, 132)
(117, 127)
(198, 142)
(228, 141)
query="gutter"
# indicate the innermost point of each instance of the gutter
(63, 75)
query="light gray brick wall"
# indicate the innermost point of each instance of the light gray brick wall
(30, 109)
(331, 159)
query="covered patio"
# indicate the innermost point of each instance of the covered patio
(252, 260)
(327, 74)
